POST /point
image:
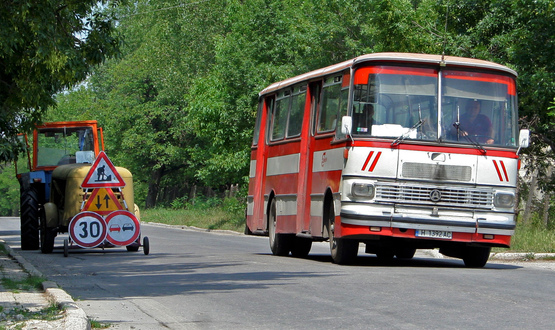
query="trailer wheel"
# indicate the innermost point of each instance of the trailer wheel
(134, 247)
(47, 235)
(343, 251)
(66, 248)
(476, 257)
(146, 246)
(29, 202)
(280, 244)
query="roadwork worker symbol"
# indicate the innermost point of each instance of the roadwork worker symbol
(101, 175)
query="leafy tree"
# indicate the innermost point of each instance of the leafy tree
(9, 191)
(179, 105)
(519, 34)
(141, 96)
(46, 46)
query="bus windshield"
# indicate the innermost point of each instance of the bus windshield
(395, 101)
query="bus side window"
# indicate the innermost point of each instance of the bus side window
(329, 111)
(258, 120)
(295, 121)
(279, 116)
(270, 102)
(315, 89)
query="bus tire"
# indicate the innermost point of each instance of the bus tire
(280, 244)
(385, 255)
(343, 251)
(29, 203)
(405, 253)
(476, 257)
(301, 247)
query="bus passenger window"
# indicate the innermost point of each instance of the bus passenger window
(279, 118)
(329, 110)
(296, 113)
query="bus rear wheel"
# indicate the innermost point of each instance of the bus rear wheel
(343, 251)
(280, 244)
(301, 247)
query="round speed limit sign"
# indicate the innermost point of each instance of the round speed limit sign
(87, 229)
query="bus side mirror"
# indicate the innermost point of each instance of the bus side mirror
(524, 138)
(346, 125)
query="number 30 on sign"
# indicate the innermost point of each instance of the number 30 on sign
(87, 229)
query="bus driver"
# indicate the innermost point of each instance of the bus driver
(473, 123)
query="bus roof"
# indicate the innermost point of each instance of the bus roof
(393, 57)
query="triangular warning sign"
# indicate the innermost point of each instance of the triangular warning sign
(103, 174)
(103, 201)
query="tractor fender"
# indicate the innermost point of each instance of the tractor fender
(51, 214)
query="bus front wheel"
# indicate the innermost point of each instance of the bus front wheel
(343, 251)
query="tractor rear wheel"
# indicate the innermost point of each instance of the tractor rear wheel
(29, 203)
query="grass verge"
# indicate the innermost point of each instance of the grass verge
(15, 318)
(28, 284)
(208, 218)
(98, 325)
(532, 238)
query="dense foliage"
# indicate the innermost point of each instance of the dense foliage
(46, 46)
(178, 106)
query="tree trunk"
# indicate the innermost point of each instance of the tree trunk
(531, 193)
(193, 194)
(153, 188)
(547, 199)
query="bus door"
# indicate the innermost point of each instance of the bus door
(284, 171)
(305, 176)
(256, 204)
(326, 157)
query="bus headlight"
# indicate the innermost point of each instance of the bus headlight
(504, 199)
(362, 190)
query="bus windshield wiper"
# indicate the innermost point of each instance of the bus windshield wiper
(407, 133)
(476, 144)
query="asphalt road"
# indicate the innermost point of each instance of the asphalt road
(200, 280)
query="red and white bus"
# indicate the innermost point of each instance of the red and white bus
(384, 150)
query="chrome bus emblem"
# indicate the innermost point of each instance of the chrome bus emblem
(435, 195)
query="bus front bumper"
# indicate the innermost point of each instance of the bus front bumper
(418, 218)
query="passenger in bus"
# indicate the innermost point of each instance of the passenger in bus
(475, 124)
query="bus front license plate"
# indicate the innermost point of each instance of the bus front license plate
(434, 234)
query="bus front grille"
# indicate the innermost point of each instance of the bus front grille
(436, 196)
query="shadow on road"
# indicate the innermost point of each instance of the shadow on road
(373, 261)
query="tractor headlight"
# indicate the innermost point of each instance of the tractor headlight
(365, 190)
(504, 199)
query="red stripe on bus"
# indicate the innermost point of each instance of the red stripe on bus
(375, 161)
(367, 160)
(504, 170)
(497, 169)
